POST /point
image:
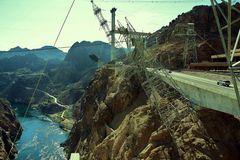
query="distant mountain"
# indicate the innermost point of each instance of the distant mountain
(65, 78)
(77, 62)
(28, 61)
(46, 53)
(79, 54)
(17, 49)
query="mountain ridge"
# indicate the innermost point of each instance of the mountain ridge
(46, 52)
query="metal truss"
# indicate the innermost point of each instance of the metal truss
(190, 43)
(226, 28)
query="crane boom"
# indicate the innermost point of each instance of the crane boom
(129, 25)
(103, 22)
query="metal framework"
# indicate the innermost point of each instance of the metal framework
(129, 33)
(103, 22)
(227, 43)
(122, 31)
(156, 91)
(190, 43)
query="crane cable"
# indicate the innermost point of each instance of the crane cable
(40, 77)
(153, 1)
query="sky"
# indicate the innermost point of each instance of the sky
(36, 23)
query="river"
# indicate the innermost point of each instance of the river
(41, 138)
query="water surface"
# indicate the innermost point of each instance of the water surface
(41, 138)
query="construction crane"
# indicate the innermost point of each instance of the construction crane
(103, 22)
(124, 32)
(130, 35)
(130, 26)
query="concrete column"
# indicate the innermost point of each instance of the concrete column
(113, 40)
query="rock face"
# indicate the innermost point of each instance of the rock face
(10, 131)
(50, 108)
(171, 45)
(116, 120)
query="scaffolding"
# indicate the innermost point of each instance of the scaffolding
(171, 116)
(226, 29)
(128, 33)
(190, 51)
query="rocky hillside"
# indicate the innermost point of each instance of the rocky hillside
(170, 44)
(14, 86)
(30, 61)
(117, 119)
(9, 127)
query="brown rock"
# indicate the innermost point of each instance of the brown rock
(110, 128)
(10, 130)
(170, 47)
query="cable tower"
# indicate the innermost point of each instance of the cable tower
(190, 51)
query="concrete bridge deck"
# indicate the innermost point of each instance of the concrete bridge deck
(203, 92)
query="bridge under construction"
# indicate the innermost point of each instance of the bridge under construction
(198, 91)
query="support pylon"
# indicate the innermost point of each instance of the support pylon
(113, 32)
(190, 51)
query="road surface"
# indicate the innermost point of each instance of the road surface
(202, 91)
(204, 83)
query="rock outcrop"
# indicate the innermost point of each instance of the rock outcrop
(170, 43)
(10, 131)
(116, 120)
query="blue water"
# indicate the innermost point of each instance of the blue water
(41, 138)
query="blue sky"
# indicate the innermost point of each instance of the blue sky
(35, 23)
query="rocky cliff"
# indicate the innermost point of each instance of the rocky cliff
(117, 119)
(9, 128)
(171, 39)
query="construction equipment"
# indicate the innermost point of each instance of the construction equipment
(227, 43)
(130, 35)
(103, 22)
(190, 44)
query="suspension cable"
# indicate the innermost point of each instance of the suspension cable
(40, 77)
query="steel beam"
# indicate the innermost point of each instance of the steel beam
(227, 45)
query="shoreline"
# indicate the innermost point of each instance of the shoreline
(65, 123)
